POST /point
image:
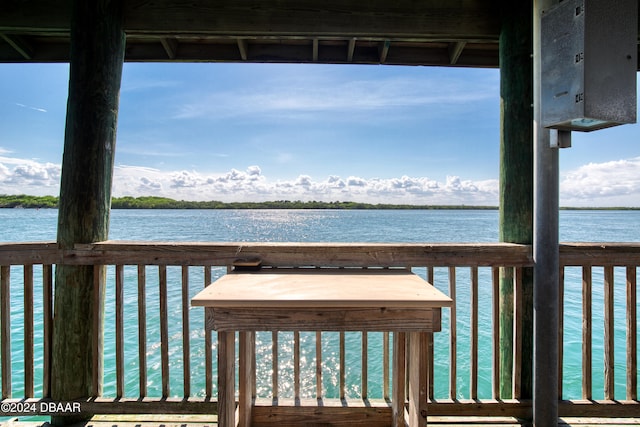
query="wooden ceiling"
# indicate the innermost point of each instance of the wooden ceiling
(403, 32)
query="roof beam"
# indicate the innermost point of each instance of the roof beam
(476, 19)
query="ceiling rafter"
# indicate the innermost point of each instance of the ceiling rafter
(243, 47)
(315, 50)
(351, 49)
(170, 46)
(455, 50)
(19, 45)
(383, 49)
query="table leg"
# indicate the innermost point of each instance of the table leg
(245, 393)
(398, 380)
(226, 379)
(417, 379)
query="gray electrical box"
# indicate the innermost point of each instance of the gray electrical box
(589, 63)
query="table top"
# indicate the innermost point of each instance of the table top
(288, 288)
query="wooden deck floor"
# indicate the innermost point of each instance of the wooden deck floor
(210, 421)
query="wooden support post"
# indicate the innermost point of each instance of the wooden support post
(516, 180)
(546, 252)
(97, 55)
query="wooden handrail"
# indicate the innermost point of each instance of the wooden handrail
(280, 254)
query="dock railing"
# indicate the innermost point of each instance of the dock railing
(158, 359)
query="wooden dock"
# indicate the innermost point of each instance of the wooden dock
(211, 421)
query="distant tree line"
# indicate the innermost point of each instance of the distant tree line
(152, 202)
(23, 201)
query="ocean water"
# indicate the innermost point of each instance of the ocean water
(325, 226)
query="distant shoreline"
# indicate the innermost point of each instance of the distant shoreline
(152, 202)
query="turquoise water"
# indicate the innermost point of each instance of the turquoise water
(322, 226)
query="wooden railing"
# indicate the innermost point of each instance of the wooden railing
(605, 301)
(150, 327)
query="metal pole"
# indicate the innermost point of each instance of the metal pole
(545, 250)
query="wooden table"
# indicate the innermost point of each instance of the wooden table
(394, 300)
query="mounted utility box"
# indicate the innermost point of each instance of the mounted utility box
(589, 64)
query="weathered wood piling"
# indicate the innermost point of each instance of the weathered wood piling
(97, 55)
(516, 186)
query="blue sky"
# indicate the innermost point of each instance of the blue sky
(252, 132)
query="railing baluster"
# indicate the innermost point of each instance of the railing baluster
(365, 365)
(560, 329)
(518, 321)
(208, 353)
(186, 346)
(453, 370)
(609, 379)
(47, 327)
(473, 345)
(253, 372)
(28, 331)
(430, 349)
(99, 276)
(119, 331)
(274, 364)
(5, 333)
(342, 366)
(632, 329)
(142, 329)
(318, 365)
(495, 312)
(296, 365)
(385, 365)
(164, 330)
(587, 390)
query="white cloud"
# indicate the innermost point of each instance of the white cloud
(254, 171)
(296, 96)
(4, 172)
(133, 84)
(40, 110)
(184, 179)
(614, 183)
(251, 185)
(28, 176)
(354, 181)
